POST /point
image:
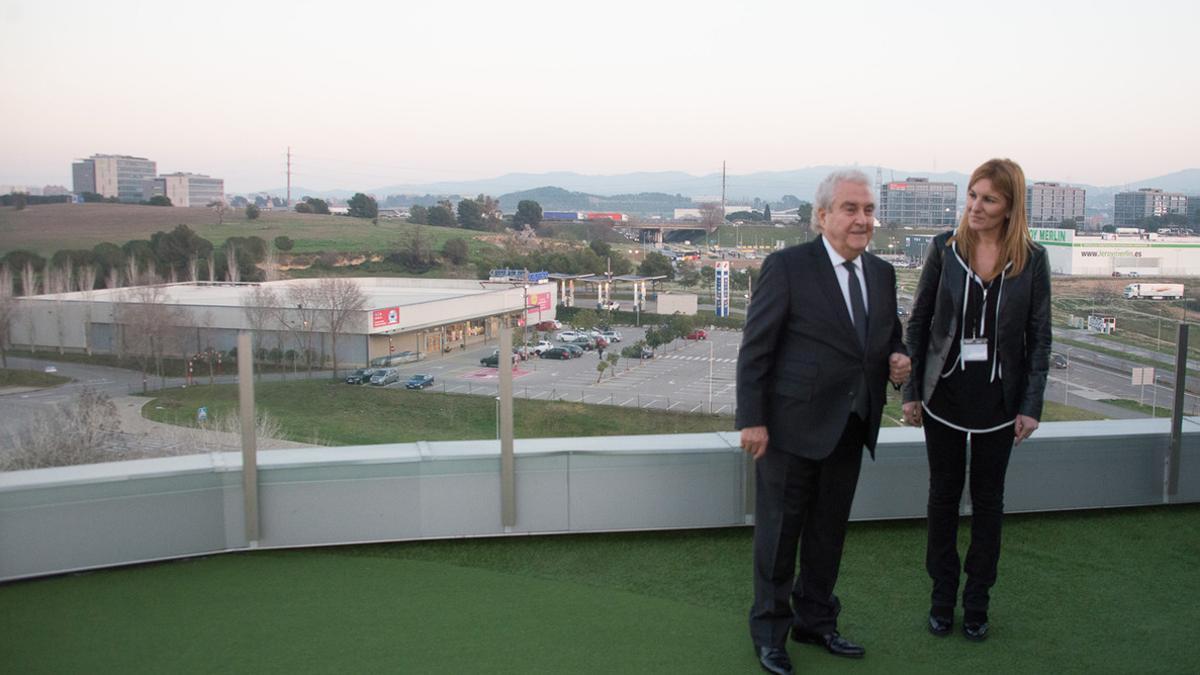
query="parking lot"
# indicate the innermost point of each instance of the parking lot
(684, 376)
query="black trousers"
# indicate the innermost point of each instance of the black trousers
(801, 503)
(947, 451)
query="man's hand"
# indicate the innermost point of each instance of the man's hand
(754, 441)
(912, 414)
(1024, 426)
(899, 367)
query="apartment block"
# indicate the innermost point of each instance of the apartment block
(917, 202)
(1129, 208)
(1050, 204)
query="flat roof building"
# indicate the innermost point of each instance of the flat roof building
(186, 189)
(120, 176)
(425, 316)
(1130, 208)
(1137, 254)
(1054, 205)
(917, 202)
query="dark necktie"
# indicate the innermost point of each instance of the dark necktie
(856, 304)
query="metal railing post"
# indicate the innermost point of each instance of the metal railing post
(1171, 465)
(508, 488)
(249, 442)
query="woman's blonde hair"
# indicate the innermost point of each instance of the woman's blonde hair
(1009, 180)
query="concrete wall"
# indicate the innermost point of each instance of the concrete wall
(71, 518)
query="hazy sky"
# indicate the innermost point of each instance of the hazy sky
(370, 94)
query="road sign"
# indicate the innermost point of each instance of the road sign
(1143, 376)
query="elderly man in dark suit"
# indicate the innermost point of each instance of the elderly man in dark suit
(821, 341)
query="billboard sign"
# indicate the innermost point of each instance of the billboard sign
(382, 318)
(540, 302)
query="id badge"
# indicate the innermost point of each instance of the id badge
(974, 349)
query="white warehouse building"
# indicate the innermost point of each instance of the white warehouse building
(1141, 254)
(426, 316)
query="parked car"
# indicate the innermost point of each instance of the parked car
(584, 341)
(611, 336)
(567, 335)
(419, 381)
(647, 353)
(576, 350)
(546, 326)
(541, 347)
(493, 360)
(561, 353)
(385, 376)
(360, 376)
(697, 334)
(1058, 360)
(611, 305)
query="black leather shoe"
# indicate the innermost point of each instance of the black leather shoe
(833, 642)
(940, 626)
(975, 631)
(775, 660)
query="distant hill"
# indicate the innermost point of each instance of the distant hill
(588, 192)
(558, 199)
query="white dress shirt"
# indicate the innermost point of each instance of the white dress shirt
(843, 277)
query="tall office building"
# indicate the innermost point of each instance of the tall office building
(1049, 204)
(918, 202)
(1193, 209)
(186, 189)
(119, 176)
(1129, 208)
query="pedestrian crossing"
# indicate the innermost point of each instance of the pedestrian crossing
(684, 357)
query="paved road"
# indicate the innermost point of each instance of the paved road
(138, 435)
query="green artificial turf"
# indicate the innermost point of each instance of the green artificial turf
(1087, 592)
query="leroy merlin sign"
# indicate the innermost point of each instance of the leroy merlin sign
(1045, 235)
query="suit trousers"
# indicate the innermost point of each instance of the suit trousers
(946, 448)
(801, 503)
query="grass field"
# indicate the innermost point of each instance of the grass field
(50, 227)
(1079, 592)
(10, 377)
(341, 414)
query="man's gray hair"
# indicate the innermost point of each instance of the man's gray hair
(824, 197)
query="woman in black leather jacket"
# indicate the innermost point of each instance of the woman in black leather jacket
(979, 338)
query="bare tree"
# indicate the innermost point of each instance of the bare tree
(220, 208)
(8, 311)
(712, 215)
(232, 272)
(87, 284)
(150, 326)
(260, 305)
(300, 319)
(341, 299)
(29, 280)
(212, 266)
(81, 431)
(270, 263)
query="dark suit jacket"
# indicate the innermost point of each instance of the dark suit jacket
(800, 361)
